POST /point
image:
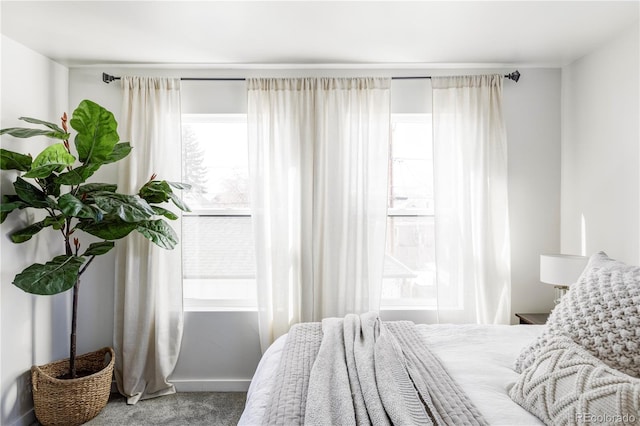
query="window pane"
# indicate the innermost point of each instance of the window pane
(215, 161)
(218, 259)
(218, 246)
(410, 269)
(411, 163)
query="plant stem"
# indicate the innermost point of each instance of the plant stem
(74, 310)
(86, 266)
(74, 322)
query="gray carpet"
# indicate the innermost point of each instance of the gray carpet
(181, 409)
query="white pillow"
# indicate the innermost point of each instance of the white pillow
(601, 312)
(566, 385)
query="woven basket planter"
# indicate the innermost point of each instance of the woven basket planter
(72, 402)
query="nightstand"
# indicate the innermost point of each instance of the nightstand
(532, 318)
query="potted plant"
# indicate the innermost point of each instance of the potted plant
(55, 182)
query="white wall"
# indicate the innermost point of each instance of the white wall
(532, 116)
(220, 349)
(601, 151)
(34, 328)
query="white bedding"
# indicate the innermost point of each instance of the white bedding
(479, 357)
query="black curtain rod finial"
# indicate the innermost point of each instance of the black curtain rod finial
(108, 78)
(515, 76)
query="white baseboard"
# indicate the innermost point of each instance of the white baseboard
(211, 385)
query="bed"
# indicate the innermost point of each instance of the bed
(480, 358)
(582, 366)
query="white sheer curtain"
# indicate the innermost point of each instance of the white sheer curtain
(148, 292)
(471, 202)
(318, 165)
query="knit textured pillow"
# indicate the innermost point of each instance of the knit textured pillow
(566, 386)
(601, 313)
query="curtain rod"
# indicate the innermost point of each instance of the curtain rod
(515, 76)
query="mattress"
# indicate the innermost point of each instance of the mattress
(479, 357)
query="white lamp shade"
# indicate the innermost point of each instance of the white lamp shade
(561, 269)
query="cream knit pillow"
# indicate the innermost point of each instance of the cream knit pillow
(601, 312)
(566, 385)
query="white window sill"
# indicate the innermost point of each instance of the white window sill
(215, 306)
(219, 305)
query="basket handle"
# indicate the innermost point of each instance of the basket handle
(34, 377)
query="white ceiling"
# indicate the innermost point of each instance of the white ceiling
(384, 33)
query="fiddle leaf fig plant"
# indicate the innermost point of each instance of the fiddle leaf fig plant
(55, 182)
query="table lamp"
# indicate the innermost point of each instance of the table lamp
(561, 270)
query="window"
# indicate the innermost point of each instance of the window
(409, 269)
(217, 240)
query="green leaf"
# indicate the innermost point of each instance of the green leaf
(56, 222)
(164, 212)
(110, 228)
(179, 185)
(51, 186)
(159, 232)
(160, 192)
(155, 191)
(97, 132)
(86, 192)
(96, 249)
(130, 208)
(32, 195)
(99, 215)
(9, 204)
(58, 275)
(72, 206)
(10, 160)
(25, 234)
(96, 187)
(12, 202)
(23, 132)
(179, 203)
(54, 158)
(78, 175)
(52, 126)
(119, 152)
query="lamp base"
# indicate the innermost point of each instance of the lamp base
(560, 291)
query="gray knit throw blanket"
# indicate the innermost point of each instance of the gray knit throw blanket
(361, 371)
